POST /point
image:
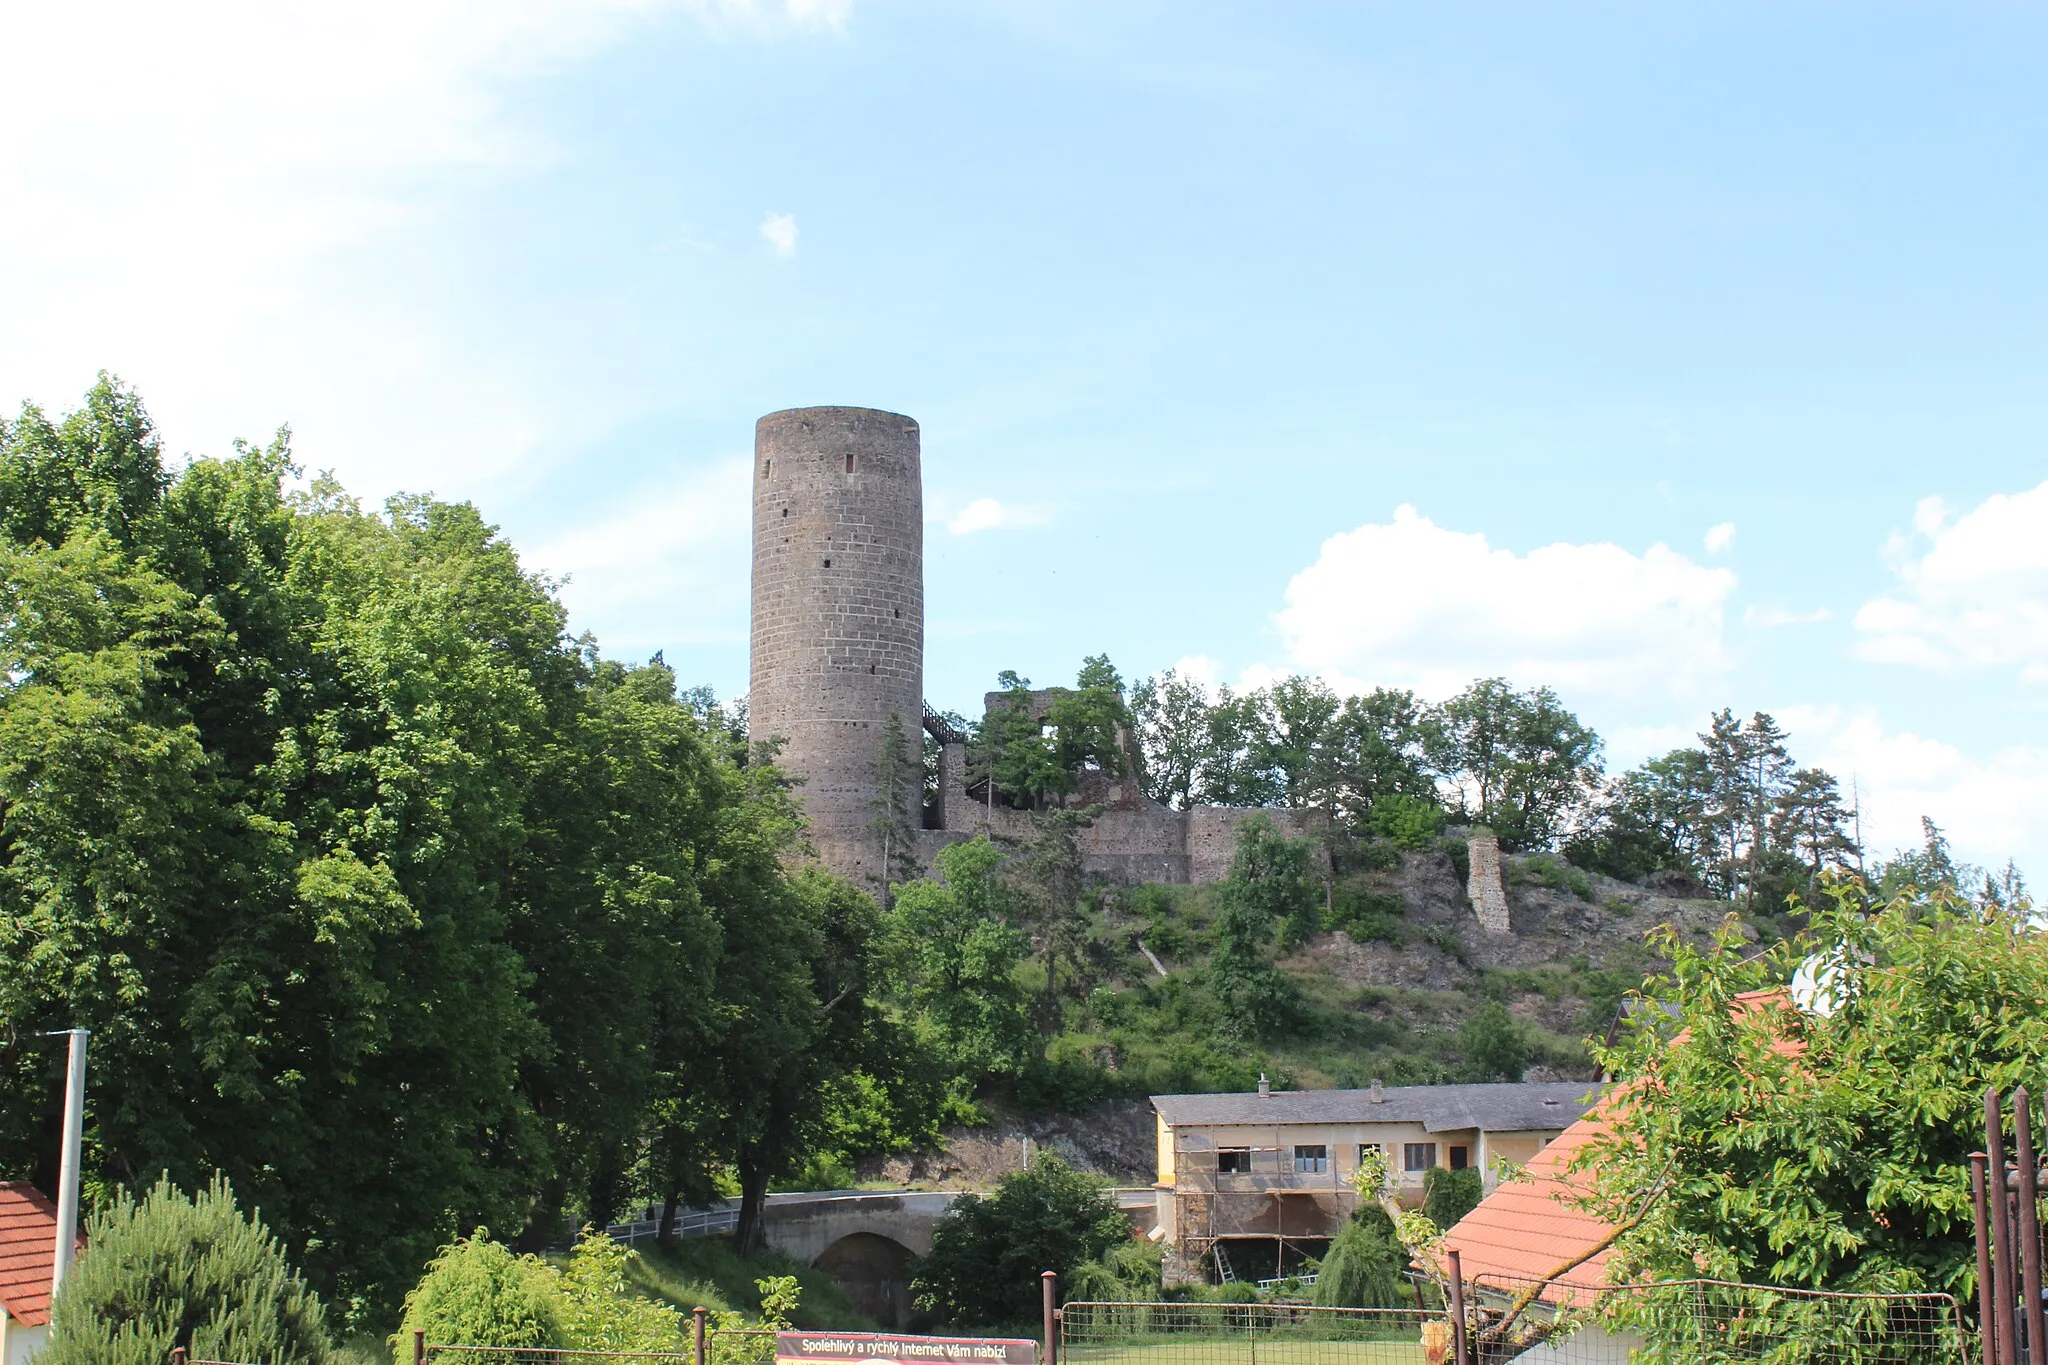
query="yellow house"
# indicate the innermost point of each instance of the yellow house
(1245, 1178)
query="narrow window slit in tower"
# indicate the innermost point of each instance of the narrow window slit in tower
(785, 511)
(871, 670)
(849, 462)
(828, 563)
(766, 465)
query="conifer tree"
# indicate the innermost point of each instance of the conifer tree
(168, 1270)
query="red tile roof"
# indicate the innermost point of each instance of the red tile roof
(1527, 1228)
(28, 1252)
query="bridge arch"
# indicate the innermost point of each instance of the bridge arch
(874, 1270)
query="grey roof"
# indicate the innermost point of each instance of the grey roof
(1499, 1108)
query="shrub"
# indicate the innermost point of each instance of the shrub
(1493, 1044)
(1363, 1267)
(166, 1270)
(987, 1253)
(478, 1293)
(1410, 822)
(1449, 1195)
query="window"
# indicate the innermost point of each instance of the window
(849, 462)
(1418, 1156)
(1311, 1160)
(1461, 1157)
(1233, 1160)
(828, 563)
(1370, 1151)
(766, 465)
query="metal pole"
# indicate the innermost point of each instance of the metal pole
(2003, 1291)
(1987, 1336)
(68, 1158)
(2030, 1225)
(1048, 1293)
(1457, 1310)
(699, 1314)
(419, 1346)
(177, 1355)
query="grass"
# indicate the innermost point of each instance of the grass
(707, 1272)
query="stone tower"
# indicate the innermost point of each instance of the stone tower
(838, 613)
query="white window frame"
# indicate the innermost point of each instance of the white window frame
(1411, 1150)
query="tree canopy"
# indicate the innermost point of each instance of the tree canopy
(381, 893)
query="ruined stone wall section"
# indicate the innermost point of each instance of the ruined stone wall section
(1484, 885)
(1212, 835)
(838, 611)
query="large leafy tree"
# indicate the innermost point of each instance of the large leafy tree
(1520, 762)
(381, 893)
(987, 1254)
(953, 948)
(1821, 1138)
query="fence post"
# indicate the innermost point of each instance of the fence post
(1987, 1318)
(2003, 1288)
(1048, 1292)
(177, 1355)
(2029, 1229)
(1457, 1310)
(419, 1346)
(698, 1314)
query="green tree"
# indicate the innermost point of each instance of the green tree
(1365, 1266)
(1092, 727)
(1234, 770)
(1172, 713)
(1824, 1147)
(1303, 713)
(1493, 1045)
(1015, 752)
(987, 1253)
(1519, 762)
(1372, 751)
(1268, 887)
(169, 1270)
(953, 949)
(897, 792)
(1449, 1195)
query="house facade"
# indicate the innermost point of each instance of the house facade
(1267, 1174)
(28, 1257)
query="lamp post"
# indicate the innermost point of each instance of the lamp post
(68, 1158)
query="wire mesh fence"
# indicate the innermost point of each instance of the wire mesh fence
(1707, 1322)
(1241, 1334)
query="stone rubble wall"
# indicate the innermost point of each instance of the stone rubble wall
(1485, 886)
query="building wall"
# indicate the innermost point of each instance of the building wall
(18, 1344)
(838, 612)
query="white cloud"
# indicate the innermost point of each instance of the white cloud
(1410, 603)
(1972, 591)
(668, 558)
(1775, 617)
(222, 202)
(1720, 537)
(779, 231)
(1985, 803)
(987, 514)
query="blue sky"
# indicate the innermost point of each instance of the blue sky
(1706, 349)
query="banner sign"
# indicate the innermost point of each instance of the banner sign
(876, 1348)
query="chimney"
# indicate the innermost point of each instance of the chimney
(1379, 1095)
(1265, 1087)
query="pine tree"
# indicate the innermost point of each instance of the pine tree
(166, 1270)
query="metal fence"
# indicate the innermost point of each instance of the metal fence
(1241, 1334)
(1707, 1322)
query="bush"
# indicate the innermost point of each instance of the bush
(1410, 822)
(167, 1271)
(987, 1253)
(478, 1293)
(1493, 1044)
(1449, 1195)
(1363, 1268)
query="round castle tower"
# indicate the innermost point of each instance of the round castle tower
(838, 613)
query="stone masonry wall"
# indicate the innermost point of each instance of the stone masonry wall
(838, 611)
(1484, 885)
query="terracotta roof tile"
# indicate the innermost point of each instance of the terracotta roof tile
(1527, 1228)
(28, 1233)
